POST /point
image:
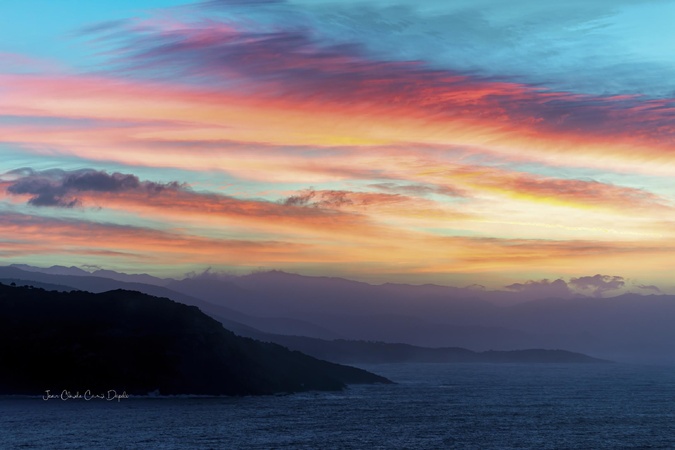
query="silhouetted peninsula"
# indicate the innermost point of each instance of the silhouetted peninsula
(132, 342)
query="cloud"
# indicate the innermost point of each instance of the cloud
(420, 189)
(295, 62)
(584, 193)
(598, 284)
(60, 188)
(175, 202)
(542, 288)
(31, 235)
(588, 193)
(650, 287)
(321, 199)
(335, 199)
(271, 81)
(541, 42)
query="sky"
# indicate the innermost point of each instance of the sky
(427, 141)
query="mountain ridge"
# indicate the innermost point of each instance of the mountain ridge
(628, 327)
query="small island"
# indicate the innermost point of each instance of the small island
(138, 344)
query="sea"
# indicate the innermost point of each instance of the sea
(431, 406)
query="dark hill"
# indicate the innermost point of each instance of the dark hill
(132, 342)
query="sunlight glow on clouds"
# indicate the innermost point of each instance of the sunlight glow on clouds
(304, 136)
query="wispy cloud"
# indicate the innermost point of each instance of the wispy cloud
(293, 64)
(36, 235)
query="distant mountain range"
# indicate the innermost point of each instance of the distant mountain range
(365, 352)
(130, 342)
(629, 327)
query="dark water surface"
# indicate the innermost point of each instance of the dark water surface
(432, 406)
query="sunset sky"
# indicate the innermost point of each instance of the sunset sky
(451, 142)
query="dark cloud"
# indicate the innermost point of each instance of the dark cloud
(334, 199)
(650, 287)
(542, 288)
(302, 199)
(598, 284)
(60, 188)
(319, 199)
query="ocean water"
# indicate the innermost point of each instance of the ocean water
(464, 406)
